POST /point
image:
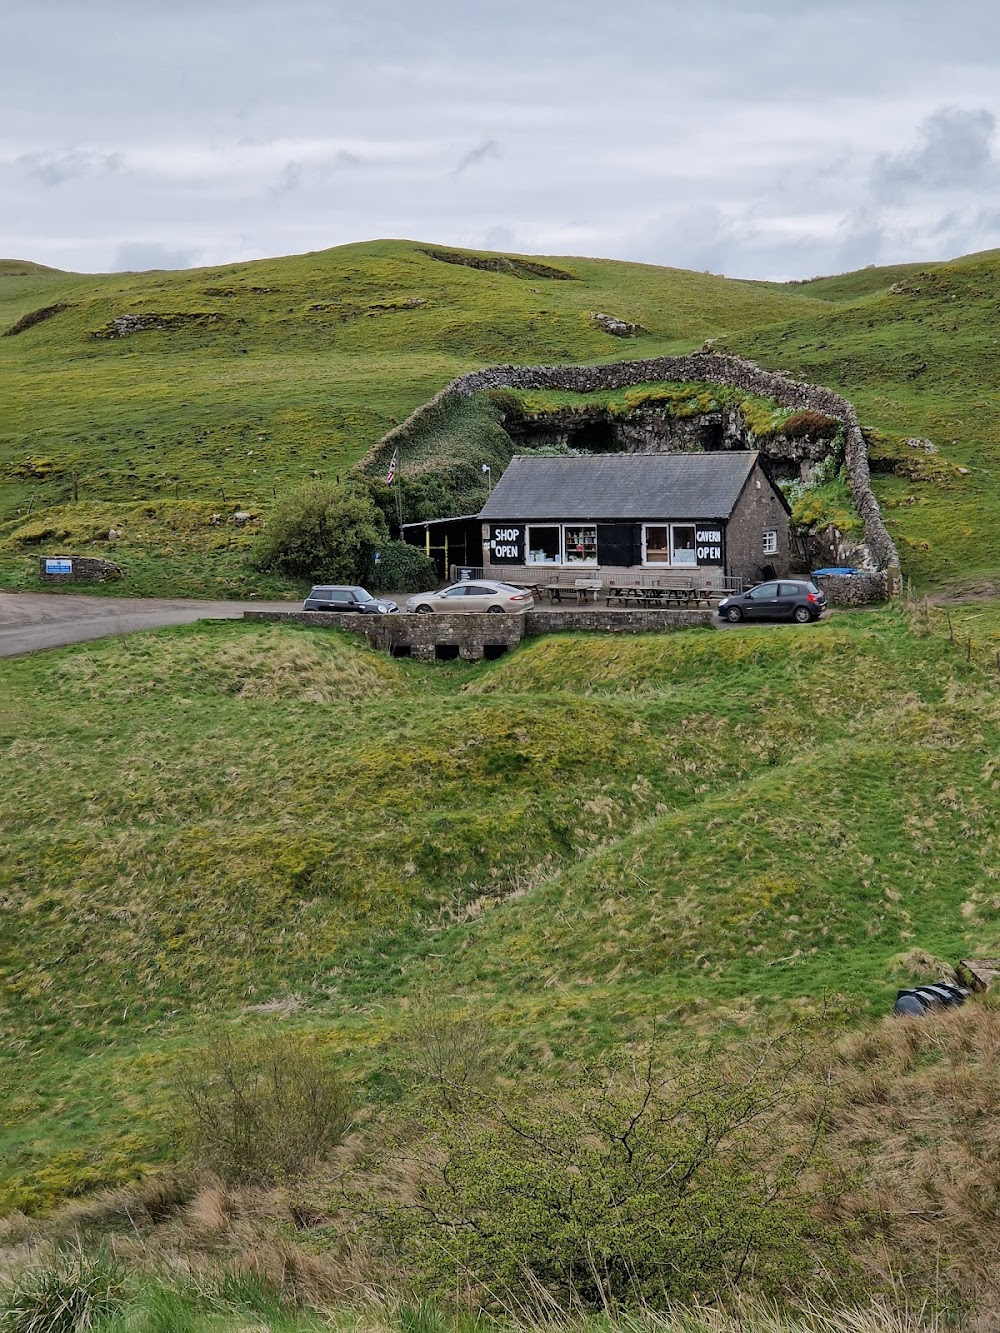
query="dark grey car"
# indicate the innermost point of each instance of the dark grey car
(330, 597)
(781, 599)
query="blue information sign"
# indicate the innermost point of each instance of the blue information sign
(59, 566)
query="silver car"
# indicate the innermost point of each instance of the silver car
(474, 595)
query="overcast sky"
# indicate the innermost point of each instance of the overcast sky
(783, 138)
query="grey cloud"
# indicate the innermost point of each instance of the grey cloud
(51, 169)
(703, 135)
(955, 149)
(862, 236)
(141, 256)
(481, 153)
(498, 237)
(290, 178)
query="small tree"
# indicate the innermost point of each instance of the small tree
(256, 1110)
(629, 1189)
(323, 532)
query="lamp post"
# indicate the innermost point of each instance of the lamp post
(489, 480)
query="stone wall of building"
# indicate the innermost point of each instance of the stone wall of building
(704, 367)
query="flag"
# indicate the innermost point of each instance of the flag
(393, 461)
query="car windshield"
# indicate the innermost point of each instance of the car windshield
(361, 596)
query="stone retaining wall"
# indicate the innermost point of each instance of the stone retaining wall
(85, 569)
(856, 589)
(474, 635)
(705, 367)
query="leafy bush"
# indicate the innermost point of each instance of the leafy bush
(69, 1295)
(260, 1109)
(323, 532)
(630, 1189)
(403, 568)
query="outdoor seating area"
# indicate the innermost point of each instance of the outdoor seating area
(580, 591)
(625, 590)
(656, 594)
(645, 592)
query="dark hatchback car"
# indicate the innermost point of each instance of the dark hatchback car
(783, 599)
(325, 597)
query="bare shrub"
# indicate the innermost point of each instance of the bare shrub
(453, 1053)
(260, 1109)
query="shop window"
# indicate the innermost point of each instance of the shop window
(682, 545)
(656, 546)
(580, 545)
(771, 543)
(543, 545)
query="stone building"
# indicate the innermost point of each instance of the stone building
(710, 515)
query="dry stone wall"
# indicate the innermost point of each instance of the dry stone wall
(474, 635)
(859, 589)
(708, 367)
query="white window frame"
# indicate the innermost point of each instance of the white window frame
(655, 564)
(589, 562)
(670, 562)
(693, 548)
(770, 544)
(563, 557)
(557, 560)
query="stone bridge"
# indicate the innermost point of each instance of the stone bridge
(475, 637)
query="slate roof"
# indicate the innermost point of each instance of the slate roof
(625, 486)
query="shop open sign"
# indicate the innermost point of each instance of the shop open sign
(507, 546)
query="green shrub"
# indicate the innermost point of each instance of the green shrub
(260, 1109)
(634, 1189)
(69, 1295)
(323, 532)
(815, 425)
(403, 568)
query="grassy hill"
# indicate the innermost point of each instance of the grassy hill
(233, 383)
(222, 817)
(918, 358)
(280, 830)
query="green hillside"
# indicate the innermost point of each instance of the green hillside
(236, 382)
(577, 838)
(918, 358)
(277, 830)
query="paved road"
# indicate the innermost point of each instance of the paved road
(33, 620)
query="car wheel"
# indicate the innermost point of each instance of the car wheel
(495, 610)
(802, 615)
(734, 615)
(424, 609)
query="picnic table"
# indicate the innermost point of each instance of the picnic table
(643, 595)
(582, 590)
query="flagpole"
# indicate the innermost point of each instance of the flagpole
(391, 480)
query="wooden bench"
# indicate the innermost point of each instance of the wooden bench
(587, 589)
